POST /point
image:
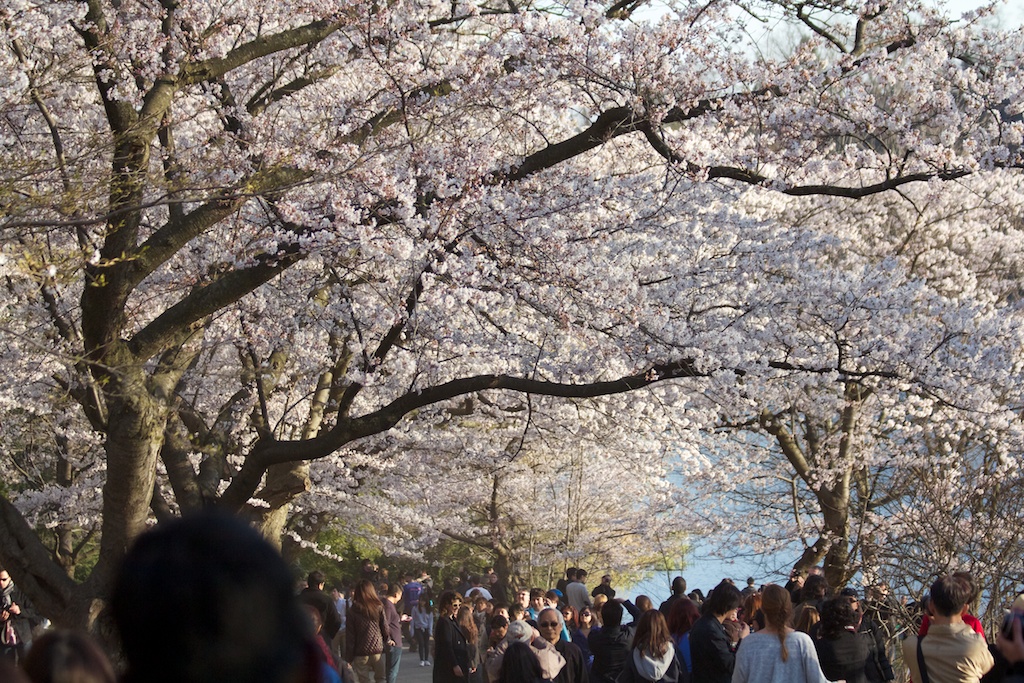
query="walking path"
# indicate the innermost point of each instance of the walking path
(410, 671)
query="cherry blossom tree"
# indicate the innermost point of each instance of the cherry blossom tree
(864, 468)
(241, 238)
(528, 486)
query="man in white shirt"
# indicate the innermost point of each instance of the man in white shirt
(576, 593)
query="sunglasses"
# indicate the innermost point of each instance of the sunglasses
(548, 624)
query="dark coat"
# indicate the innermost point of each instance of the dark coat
(364, 635)
(325, 606)
(581, 641)
(451, 649)
(879, 668)
(394, 622)
(610, 647)
(666, 606)
(710, 651)
(27, 619)
(575, 669)
(844, 658)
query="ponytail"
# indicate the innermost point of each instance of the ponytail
(777, 607)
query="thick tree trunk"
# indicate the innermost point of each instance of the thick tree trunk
(284, 484)
(134, 437)
(837, 559)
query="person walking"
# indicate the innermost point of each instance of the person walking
(422, 627)
(366, 635)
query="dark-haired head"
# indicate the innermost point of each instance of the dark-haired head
(520, 665)
(968, 578)
(815, 588)
(837, 615)
(447, 600)
(611, 614)
(948, 595)
(206, 598)
(723, 599)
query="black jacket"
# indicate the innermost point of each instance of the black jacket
(451, 649)
(26, 620)
(879, 668)
(710, 651)
(844, 658)
(575, 669)
(610, 647)
(325, 606)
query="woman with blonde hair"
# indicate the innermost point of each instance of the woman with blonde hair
(599, 601)
(777, 653)
(806, 617)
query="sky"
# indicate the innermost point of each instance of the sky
(1011, 15)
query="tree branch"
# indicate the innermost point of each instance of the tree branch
(210, 69)
(165, 242)
(258, 103)
(179, 320)
(31, 563)
(267, 452)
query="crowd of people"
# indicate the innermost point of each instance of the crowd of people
(206, 599)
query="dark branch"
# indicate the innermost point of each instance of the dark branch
(180, 319)
(267, 452)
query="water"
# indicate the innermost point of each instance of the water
(705, 570)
